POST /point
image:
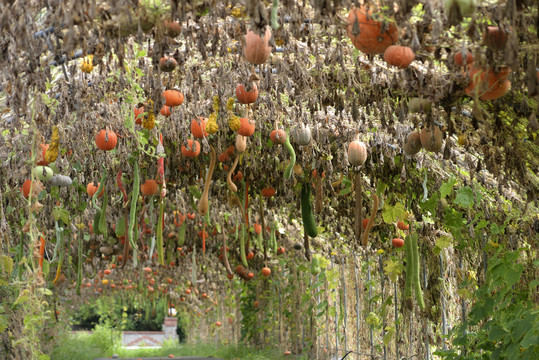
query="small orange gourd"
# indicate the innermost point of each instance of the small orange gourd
(149, 188)
(247, 127)
(278, 136)
(399, 56)
(106, 140)
(198, 127)
(246, 97)
(172, 97)
(256, 49)
(192, 150)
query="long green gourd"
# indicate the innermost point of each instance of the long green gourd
(415, 273)
(409, 277)
(290, 167)
(242, 245)
(309, 224)
(79, 264)
(97, 217)
(133, 210)
(181, 234)
(102, 218)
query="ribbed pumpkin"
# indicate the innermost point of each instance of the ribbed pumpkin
(268, 192)
(357, 152)
(246, 97)
(302, 135)
(368, 34)
(166, 111)
(149, 188)
(192, 150)
(106, 140)
(198, 127)
(399, 56)
(495, 37)
(247, 127)
(172, 97)
(488, 84)
(138, 114)
(257, 50)
(431, 141)
(91, 189)
(278, 136)
(459, 58)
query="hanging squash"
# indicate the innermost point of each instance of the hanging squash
(369, 33)
(36, 188)
(106, 140)
(52, 152)
(268, 192)
(495, 37)
(139, 114)
(172, 97)
(192, 150)
(357, 152)
(241, 143)
(413, 143)
(399, 56)
(247, 96)
(166, 111)
(488, 84)
(463, 58)
(431, 140)
(91, 189)
(149, 188)
(172, 28)
(43, 173)
(302, 135)
(278, 136)
(40, 156)
(247, 127)
(198, 127)
(167, 64)
(257, 50)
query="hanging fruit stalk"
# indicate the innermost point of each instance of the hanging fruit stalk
(229, 181)
(203, 205)
(133, 210)
(359, 205)
(376, 203)
(225, 256)
(161, 180)
(262, 223)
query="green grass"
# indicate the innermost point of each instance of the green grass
(99, 344)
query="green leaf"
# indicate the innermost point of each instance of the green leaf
(431, 204)
(61, 213)
(447, 187)
(24, 295)
(442, 242)
(390, 214)
(465, 197)
(496, 333)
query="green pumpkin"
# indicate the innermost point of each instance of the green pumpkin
(43, 173)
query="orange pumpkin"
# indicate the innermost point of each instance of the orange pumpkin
(149, 188)
(257, 50)
(431, 140)
(139, 110)
(166, 111)
(495, 37)
(488, 84)
(357, 152)
(368, 34)
(266, 271)
(25, 190)
(106, 140)
(91, 189)
(246, 97)
(461, 55)
(198, 127)
(192, 150)
(399, 56)
(268, 192)
(172, 97)
(223, 157)
(247, 127)
(167, 64)
(42, 161)
(278, 136)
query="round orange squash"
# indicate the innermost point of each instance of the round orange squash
(172, 97)
(278, 136)
(192, 150)
(368, 32)
(246, 97)
(106, 140)
(399, 56)
(357, 153)
(247, 127)
(198, 127)
(256, 49)
(488, 84)
(149, 188)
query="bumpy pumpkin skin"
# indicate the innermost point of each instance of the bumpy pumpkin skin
(256, 49)
(369, 35)
(399, 56)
